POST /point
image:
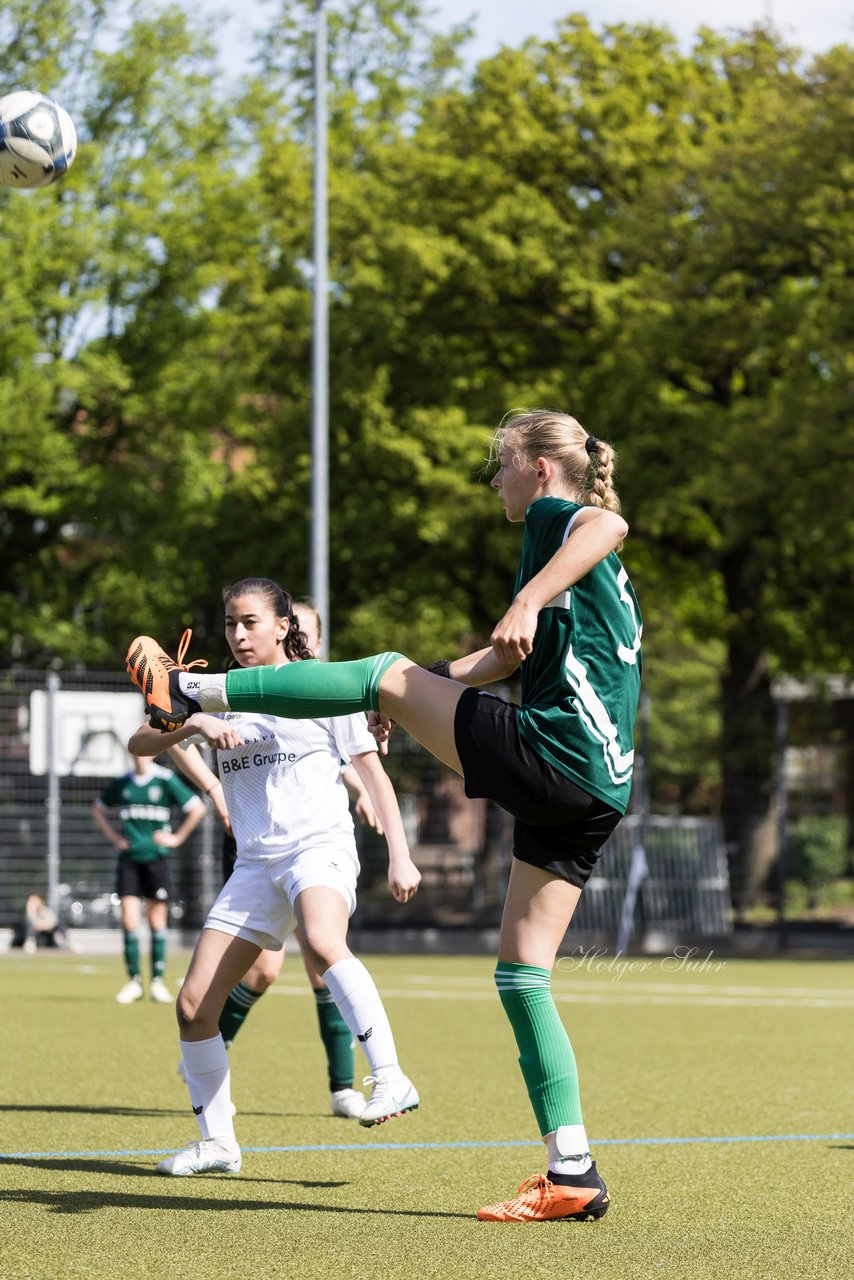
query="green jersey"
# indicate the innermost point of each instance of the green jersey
(581, 682)
(145, 805)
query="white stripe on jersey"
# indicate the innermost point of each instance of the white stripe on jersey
(563, 599)
(145, 813)
(594, 716)
(629, 655)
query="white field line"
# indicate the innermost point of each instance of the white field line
(604, 991)
(713, 988)
(610, 995)
(47, 966)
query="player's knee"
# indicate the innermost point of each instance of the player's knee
(320, 948)
(260, 979)
(187, 1008)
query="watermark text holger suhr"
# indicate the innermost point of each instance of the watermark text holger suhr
(597, 960)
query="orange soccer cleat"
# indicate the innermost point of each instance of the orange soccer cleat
(540, 1200)
(156, 675)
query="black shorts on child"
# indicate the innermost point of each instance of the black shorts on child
(144, 880)
(559, 827)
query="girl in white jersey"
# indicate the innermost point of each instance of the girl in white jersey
(296, 864)
(345, 1101)
(560, 762)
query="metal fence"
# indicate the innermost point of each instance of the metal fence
(60, 744)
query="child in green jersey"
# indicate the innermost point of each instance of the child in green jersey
(560, 762)
(144, 799)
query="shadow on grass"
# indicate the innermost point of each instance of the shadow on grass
(76, 1202)
(64, 1109)
(81, 1166)
(146, 1170)
(58, 999)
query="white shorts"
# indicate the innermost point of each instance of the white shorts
(257, 900)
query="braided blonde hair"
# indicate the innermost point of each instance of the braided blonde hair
(585, 463)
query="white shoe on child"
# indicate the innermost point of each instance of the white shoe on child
(130, 992)
(159, 992)
(348, 1103)
(393, 1093)
(208, 1155)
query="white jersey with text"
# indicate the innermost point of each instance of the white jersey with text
(283, 787)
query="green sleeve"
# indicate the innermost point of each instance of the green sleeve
(112, 793)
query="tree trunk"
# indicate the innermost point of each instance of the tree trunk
(748, 769)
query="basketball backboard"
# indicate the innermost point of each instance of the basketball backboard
(91, 731)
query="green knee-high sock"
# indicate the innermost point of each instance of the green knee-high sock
(158, 953)
(337, 1041)
(131, 948)
(545, 1054)
(301, 690)
(236, 1009)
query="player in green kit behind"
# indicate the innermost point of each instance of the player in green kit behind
(144, 799)
(560, 762)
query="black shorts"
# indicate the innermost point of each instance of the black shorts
(144, 880)
(229, 855)
(559, 827)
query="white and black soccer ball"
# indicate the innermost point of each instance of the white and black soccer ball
(38, 141)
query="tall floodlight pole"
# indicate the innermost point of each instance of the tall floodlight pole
(320, 343)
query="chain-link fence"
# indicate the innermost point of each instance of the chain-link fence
(62, 738)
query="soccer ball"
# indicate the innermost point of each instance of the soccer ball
(38, 141)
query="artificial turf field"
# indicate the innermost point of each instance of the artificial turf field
(718, 1101)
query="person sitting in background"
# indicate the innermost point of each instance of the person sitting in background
(39, 926)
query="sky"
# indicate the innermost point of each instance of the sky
(813, 24)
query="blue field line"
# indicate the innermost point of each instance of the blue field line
(443, 1146)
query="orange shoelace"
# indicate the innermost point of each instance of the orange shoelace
(182, 649)
(525, 1200)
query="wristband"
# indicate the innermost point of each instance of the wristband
(441, 668)
(211, 787)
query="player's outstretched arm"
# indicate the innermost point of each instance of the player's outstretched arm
(148, 741)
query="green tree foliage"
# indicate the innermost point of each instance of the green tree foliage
(658, 240)
(107, 271)
(819, 852)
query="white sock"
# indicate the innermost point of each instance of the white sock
(209, 1082)
(360, 1006)
(569, 1150)
(208, 691)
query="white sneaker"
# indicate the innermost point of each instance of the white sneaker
(130, 992)
(206, 1156)
(393, 1093)
(160, 992)
(182, 1072)
(348, 1103)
